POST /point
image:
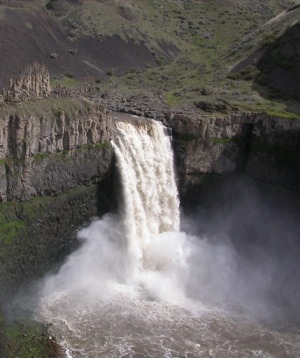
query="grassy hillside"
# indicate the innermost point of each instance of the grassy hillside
(179, 50)
(268, 60)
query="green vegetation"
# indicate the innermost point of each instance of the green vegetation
(190, 44)
(282, 114)
(203, 36)
(25, 252)
(19, 230)
(27, 339)
(50, 107)
(67, 81)
(172, 99)
(15, 215)
(40, 157)
(10, 230)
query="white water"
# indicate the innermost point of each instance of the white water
(135, 287)
(151, 206)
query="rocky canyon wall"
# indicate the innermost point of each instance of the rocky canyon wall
(256, 145)
(49, 153)
(56, 168)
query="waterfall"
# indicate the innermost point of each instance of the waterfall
(150, 199)
(142, 245)
(140, 287)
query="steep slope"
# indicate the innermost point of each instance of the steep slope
(271, 57)
(97, 40)
(28, 36)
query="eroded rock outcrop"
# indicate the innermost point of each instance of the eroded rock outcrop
(33, 83)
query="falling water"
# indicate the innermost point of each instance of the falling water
(136, 286)
(151, 205)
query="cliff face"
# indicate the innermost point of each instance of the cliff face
(55, 174)
(258, 145)
(262, 147)
(55, 157)
(47, 154)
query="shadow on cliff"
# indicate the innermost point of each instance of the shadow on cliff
(108, 190)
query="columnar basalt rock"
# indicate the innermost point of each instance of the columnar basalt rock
(256, 144)
(53, 152)
(260, 146)
(33, 83)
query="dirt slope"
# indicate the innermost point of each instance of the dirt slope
(274, 62)
(36, 36)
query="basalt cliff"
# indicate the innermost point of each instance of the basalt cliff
(222, 76)
(57, 166)
(55, 174)
(257, 145)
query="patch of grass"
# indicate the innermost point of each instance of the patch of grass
(29, 339)
(281, 114)
(8, 231)
(22, 212)
(173, 99)
(205, 33)
(67, 81)
(50, 107)
(39, 157)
